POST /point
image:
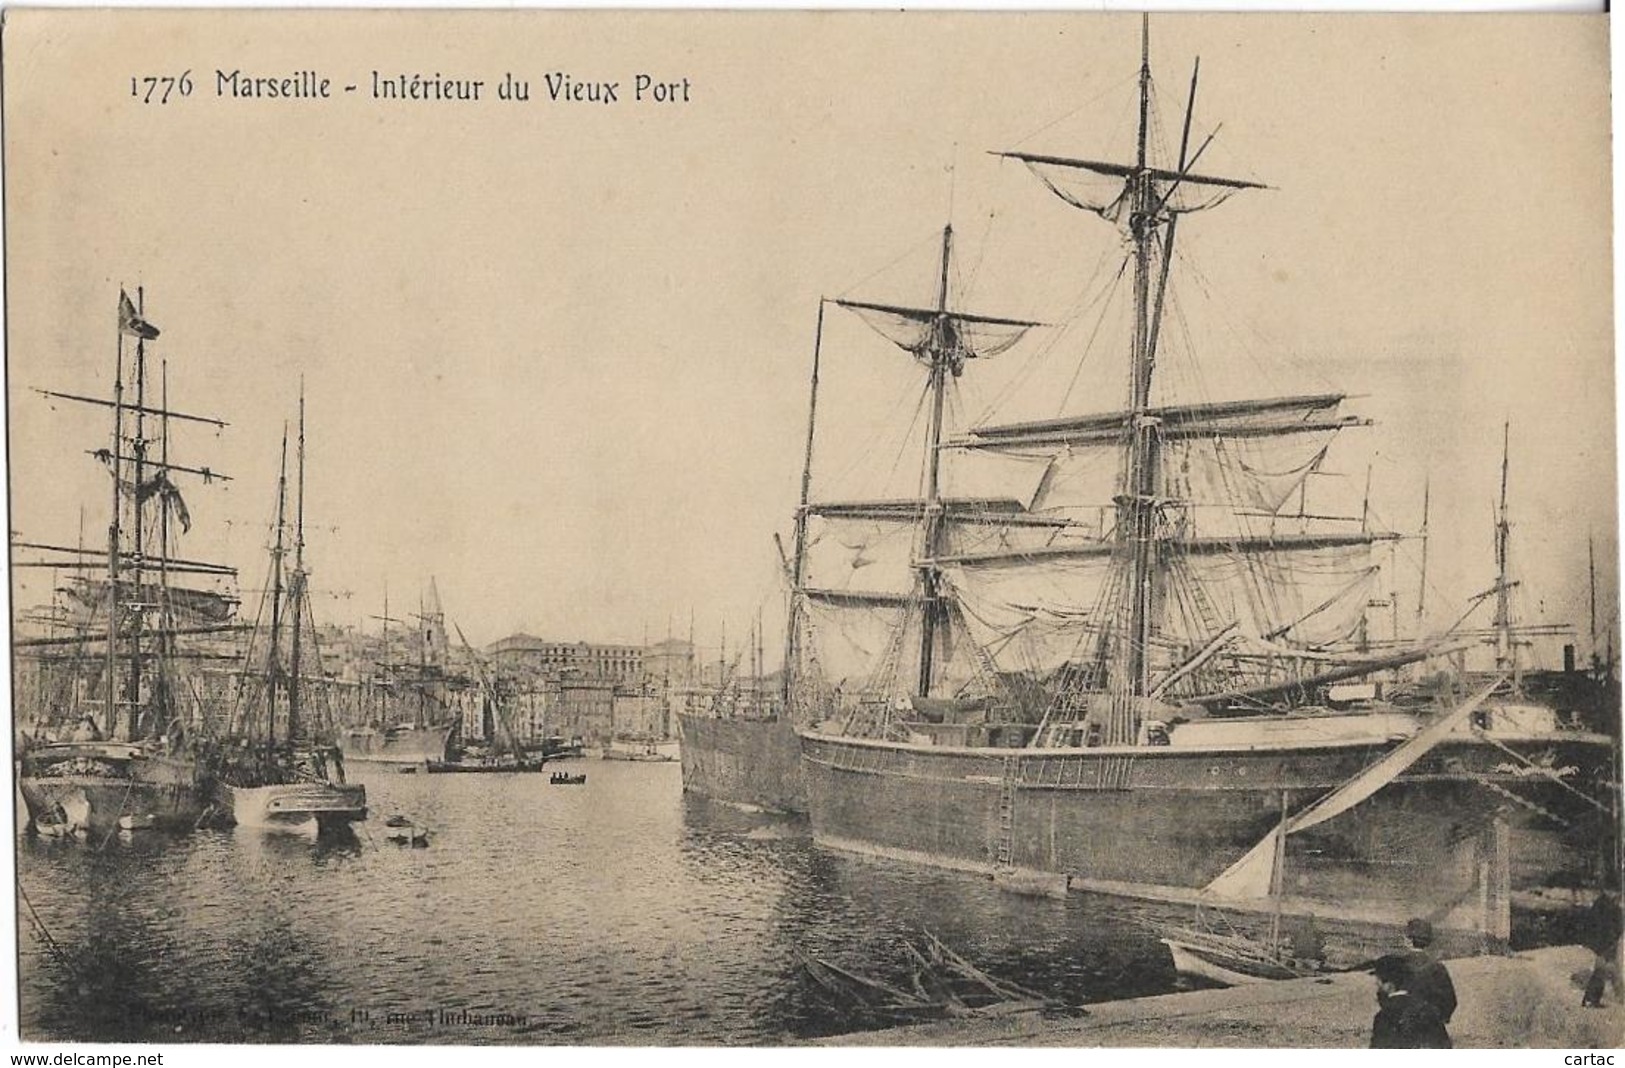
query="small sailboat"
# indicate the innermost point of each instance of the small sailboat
(1233, 959)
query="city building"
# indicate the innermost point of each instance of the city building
(669, 664)
(586, 709)
(620, 664)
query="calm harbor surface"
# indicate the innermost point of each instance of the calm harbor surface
(619, 911)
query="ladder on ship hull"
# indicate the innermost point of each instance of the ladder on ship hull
(1006, 876)
(1005, 850)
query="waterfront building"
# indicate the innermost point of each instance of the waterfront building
(621, 664)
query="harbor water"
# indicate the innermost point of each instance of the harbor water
(617, 912)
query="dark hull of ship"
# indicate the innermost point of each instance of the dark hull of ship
(752, 762)
(62, 788)
(397, 745)
(1155, 822)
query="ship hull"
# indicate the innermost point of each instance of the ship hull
(397, 745)
(636, 757)
(105, 787)
(295, 806)
(755, 763)
(1215, 964)
(453, 767)
(1145, 821)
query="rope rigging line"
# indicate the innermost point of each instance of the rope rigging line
(1236, 329)
(1088, 348)
(964, 284)
(237, 718)
(1110, 87)
(1525, 802)
(1547, 772)
(1079, 306)
(863, 455)
(933, 240)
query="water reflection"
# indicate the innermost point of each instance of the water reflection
(615, 912)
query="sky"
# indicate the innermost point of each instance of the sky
(556, 355)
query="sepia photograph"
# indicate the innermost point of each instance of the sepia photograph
(812, 528)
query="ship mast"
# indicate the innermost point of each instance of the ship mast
(1591, 571)
(1148, 194)
(166, 622)
(387, 680)
(798, 569)
(274, 652)
(1506, 655)
(138, 458)
(114, 544)
(942, 350)
(1141, 505)
(938, 337)
(131, 323)
(1422, 579)
(296, 581)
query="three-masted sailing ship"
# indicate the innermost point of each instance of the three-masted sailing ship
(120, 742)
(1139, 673)
(280, 766)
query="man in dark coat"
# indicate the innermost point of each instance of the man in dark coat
(1428, 978)
(1602, 931)
(1404, 1020)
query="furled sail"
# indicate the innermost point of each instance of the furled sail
(1229, 419)
(1106, 189)
(923, 331)
(1083, 548)
(88, 599)
(912, 510)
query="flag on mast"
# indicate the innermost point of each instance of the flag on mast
(131, 323)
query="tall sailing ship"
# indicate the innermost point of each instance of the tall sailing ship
(119, 740)
(1148, 669)
(413, 721)
(280, 767)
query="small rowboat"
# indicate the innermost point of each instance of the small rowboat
(1232, 960)
(403, 831)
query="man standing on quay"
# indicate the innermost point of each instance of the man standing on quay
(1429, 979)
(1405, 1019)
